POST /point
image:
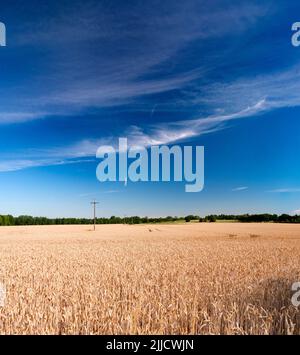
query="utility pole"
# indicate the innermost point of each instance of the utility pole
(94, 203)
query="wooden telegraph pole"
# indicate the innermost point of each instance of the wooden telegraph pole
(94, 203)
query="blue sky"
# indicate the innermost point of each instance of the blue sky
(79, 74)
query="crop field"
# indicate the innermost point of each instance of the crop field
(217, 278)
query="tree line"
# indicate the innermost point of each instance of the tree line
(265, 217)
(8, 220)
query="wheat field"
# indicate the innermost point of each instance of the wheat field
(214, 278)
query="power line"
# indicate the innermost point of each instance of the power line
(94, 203)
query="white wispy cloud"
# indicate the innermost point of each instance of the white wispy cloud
(93, 67)
(102, 94)
(278, 89)
(285, 190)
(164, 133)
(263, 94)
(241, 188)
(21, 164)
(20, 117)
(169, 23)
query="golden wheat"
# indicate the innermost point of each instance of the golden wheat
(178, 279)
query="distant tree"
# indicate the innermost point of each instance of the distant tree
(211, 218)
